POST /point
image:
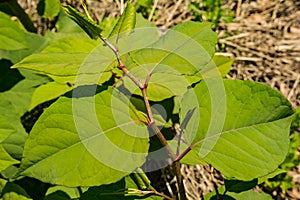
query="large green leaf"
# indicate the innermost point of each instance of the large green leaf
(125, 23)
(72, 60)
(86, 141)
(170, 64)
(90, 27)
(62, 57)
(193, 49)
(245, 134)
(11, 35)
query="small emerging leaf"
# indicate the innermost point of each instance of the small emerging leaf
(51, 9)
(90, 27)
(125, 23)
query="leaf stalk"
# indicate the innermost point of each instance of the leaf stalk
(151, 124)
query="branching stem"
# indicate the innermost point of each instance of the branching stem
(151, 124)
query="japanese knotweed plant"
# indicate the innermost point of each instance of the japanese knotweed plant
(130, 101)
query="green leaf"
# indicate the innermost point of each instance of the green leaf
(164, 82)
(246, 195)
(72, 60)
(48, 91)
(52, 8)
(9, 172)
(11, 35)
(66, 26)
(90, 27)
(86, 141)
(250, 194)
(270, 175)
(247, 138)
(2, 184)
(193, 49)
(62, 57)
(170, 64)
(37, 44)
(13, 104)
(124, 24)
(223, 64)
(58, 195)
(61, 192)
(5, 159)
(14, 191)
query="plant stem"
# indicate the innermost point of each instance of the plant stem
(20, 13)
(151, 124)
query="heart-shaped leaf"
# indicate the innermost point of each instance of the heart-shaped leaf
(247, 138)
(100, 136)
(170, 64)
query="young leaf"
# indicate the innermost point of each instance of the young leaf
(246, 139)
(66, 26)
(86, 141)
(90, 27)
(11, 35)
(125, 23)
(48, 91)
(51, 9)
